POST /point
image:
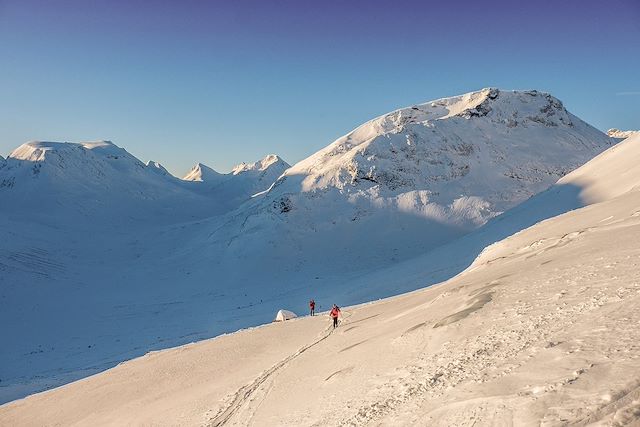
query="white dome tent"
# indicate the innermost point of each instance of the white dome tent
(284, 315)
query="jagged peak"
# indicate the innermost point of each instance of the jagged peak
(157, 167)
(201, 172)
(267, 162)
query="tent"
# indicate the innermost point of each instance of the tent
(284, 315)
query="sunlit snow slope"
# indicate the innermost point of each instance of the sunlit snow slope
(104, 257)
(542, 329)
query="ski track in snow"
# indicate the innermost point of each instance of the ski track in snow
(540, 321)
(544, 330)
(247, 395)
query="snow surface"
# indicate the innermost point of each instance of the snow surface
(541, 330)
(103, 258)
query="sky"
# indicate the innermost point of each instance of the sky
(221, 82)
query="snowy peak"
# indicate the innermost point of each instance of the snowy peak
(510, 107)
(202, 173)
(84, 161)
(41, 151)
(622, 134)
(234, 188)
(158, 168)
(442, 131)
(469, 157)
(92, 181)
(270, 162)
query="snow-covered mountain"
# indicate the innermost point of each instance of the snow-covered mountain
(458, 160)
(117, 257)
(264, 171)
(157, 167)
(53, 181)
(244, 180)
(405, 183)
(203, 173)
(97, 179)
(541, 329)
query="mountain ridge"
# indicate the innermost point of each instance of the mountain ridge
(124, 260)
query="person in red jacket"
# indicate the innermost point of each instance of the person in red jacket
(335, 312)
(312, 307)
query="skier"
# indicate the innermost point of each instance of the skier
(335, 312)
(312, 307)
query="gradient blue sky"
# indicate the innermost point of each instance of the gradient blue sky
(222, 82)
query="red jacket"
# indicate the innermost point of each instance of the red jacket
(335, 312)
(312, 304)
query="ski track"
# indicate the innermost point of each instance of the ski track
(244, 396)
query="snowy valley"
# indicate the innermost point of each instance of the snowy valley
(118, 257)
(541, 329)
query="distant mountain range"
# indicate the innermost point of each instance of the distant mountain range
(104, 257)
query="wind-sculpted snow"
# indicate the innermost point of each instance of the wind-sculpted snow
(103, 258)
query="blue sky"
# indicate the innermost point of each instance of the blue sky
(220, 82)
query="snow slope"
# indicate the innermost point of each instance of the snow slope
(396, 187)
(422, 176)
(81, 242)
(104, 258)
(463, 159)
(541, 330)
(403, 184)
